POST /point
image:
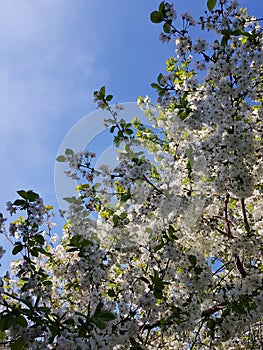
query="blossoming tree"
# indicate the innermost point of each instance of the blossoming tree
(163, 254)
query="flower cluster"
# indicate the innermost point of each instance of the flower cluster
(170, 11)
(166, 249)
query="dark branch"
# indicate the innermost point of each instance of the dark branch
(227, 223)
(150, 183)
(238, 262)
(214, 309)
(245, 215)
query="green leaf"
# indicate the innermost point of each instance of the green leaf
(45, 252)
(20, 202)
(5, 322)
(102, 91)
(189, 155)
(224, 41)
(211, 323)
(69, 322)
(128, 131)
(192, 259)
(44, 309)
(17, 248)
(135, 345)
(155, 86)
(237, 32)
(161, 6)
(158, 284)
(109, 98)
(171, 230)
(244, 39)
(156, 17)
(123, 215)
(226, 312)
(98, 322)
(122, 123)
(239, 309)
(47, 283)
(74, 241)
(126, 196)
(115, 219)
(69, 199)
(226, 32)
(167, 28)
(69, 152)
(159, 78)
(34, 252)
(158, 294)
(96, 186)
(19, 344)
(111, 293)
(21, 321)
(61, 159)
(198, 270)
(145, 280)
(105, 315)
(2, 335)
(54, 328)
(27, 303)
(22, 194)
(32, 196)
(211, 4)
(39, 239)
(158, 247)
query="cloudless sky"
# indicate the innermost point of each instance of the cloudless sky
(53, 55)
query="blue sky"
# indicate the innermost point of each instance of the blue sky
(53, 55)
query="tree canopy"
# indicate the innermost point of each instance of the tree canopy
(164, 253)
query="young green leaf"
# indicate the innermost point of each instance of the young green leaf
(32, 196)
(102, 90)
(21, 321)
(211, 4)
(135, 345)
(2, 335)
(109, 98)
(156, 17)
(19, 344)
(17, 248)
(20, 202)
(61, 159)
(22, 194)
(192, 259)
(69, 152)
(167, 28)
(105, 315)
(5, 321)
(39, 239)
(98, 322)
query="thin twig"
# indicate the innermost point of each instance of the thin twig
(237, 260)
(240, 266)
(196, 335)
(150, 183)
(214, 309)
(245, 215)
(227, 223)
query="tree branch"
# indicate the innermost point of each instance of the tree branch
(245, 215)
(227, 223)
(240, 266)
(150, 183)
(237, 260)
(214, 309)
